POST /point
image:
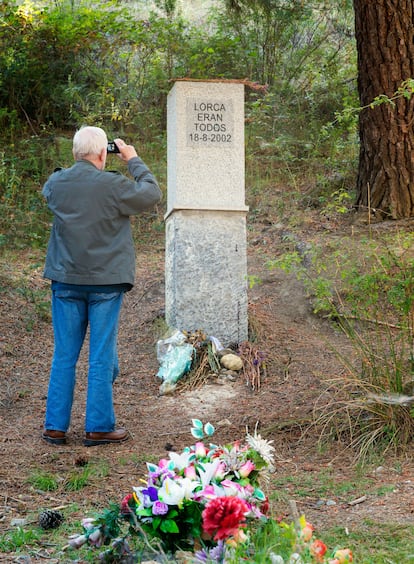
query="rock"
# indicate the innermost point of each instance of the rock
(18, 522)
(231, 361)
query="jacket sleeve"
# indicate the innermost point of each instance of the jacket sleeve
(47, 188)
(142, 193)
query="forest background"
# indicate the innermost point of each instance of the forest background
(64, 64)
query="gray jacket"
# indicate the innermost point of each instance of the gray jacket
(91, 240)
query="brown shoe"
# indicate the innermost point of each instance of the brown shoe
(54, 437)
(117, 436)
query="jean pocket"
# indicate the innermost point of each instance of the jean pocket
(68, 294)
(104, 296)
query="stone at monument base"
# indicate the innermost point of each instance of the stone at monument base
(206, 273)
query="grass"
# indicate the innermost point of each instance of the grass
(18, 539)
(375, 542)
(324, 484)
(82, 477)
(372, 542)
(43, 481)
(76, 480)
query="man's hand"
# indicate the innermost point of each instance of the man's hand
(126, 152)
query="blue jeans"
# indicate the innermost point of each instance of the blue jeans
(72, 311)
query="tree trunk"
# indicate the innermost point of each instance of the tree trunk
(384, 34)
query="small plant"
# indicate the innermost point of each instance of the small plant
(81, 477)
(43, 481)
(338, 202)
(78, 479)
(18, 538)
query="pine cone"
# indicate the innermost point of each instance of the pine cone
(50, 519)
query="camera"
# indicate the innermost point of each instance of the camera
(112, 147)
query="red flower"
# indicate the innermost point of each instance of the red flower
(264, 508)
(223, 516)
(318, 549)
(125, 506)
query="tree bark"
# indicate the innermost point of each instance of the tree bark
(385, 43)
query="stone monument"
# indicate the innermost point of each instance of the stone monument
(206, 272)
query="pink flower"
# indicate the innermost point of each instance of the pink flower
(224, 516)
(343, 555)
(190, 472)
(231, 488)
(220, 472)
(207, 493)
(200, 450)
(318, 549)
(306, 532)
(236, 446)
(246, 468)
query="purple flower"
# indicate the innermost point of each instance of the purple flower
(151, 492)
(160, 508)
(215, 554)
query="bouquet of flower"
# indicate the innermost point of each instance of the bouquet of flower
(205, 500)
(202, 496)
(205, 492)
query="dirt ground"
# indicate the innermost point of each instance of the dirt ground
(294, 341)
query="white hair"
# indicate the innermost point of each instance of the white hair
(89, 141)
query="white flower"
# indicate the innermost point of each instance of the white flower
(263, 447)
(96, 538)
(295, 559)
(276, 559)
(139, 495)
(88, 523)
(174, 492)
(233, 489)
(76, 541)
(207, 471)
(182, 460)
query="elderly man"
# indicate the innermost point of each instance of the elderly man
(91, 263)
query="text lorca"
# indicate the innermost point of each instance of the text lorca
(209, 116)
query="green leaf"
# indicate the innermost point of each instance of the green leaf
(152, 467)
(169, 526)
(197, 433)
(258, 494)
(197, 423)
(145, 512)
(156, 523)
(209, 429)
